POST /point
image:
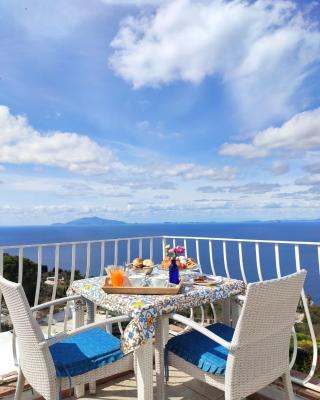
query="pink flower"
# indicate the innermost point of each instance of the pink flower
(171, 250)
(179, 250)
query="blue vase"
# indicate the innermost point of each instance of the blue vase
(174, 273)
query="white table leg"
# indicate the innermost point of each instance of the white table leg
(226, 315)
(161, 338)
(91, 316)
(77, 315)
(90, 311)
(144, 370)
(108, 326)
(78, 320)
(236, 308)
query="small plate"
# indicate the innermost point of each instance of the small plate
(210, 281)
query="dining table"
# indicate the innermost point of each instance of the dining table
(149, 318)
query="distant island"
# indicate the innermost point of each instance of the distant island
(90, 221)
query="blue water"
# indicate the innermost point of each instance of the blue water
(292, 231)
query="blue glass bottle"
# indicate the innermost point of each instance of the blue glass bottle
(174, 272)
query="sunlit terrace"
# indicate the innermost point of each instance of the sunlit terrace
(69, 263)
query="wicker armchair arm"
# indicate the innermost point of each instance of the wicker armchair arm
(55, 302)
(64, 335)
(203, 330)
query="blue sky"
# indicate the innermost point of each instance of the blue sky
(159, 110)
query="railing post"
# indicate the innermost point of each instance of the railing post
(185, 247)
(241, 263)
(277, 258)
(115, 259)
(128, 251)
(55, 285)
(258, 261)
(163, 247)
(198, 254)
(20, 273)
(88, 264)
(140, 248)
(72, 273)
(225, 260)
(211, 257)
(36, 297)
(102, 257)
(73, 262)
(151, 249)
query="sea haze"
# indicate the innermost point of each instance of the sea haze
(292, 231)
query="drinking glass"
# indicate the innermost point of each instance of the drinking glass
(117, 276)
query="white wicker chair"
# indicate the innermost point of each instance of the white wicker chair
(258, 352)
(35, 360)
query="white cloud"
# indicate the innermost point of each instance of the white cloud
(313, 179)
(298, 135)
(161, 197)
(191, 171)
(313, 168)
(248, 188)
(22, 144)
(263, 50)
(279, 167)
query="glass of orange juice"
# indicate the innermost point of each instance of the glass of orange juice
(117, 276)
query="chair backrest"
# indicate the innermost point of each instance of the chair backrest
(262, 335)
(36, 362)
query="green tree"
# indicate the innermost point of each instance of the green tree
(29, 277)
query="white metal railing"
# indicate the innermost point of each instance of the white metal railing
(213, 255)
(72, 266)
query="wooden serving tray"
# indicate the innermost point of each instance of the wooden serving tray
(108, 288)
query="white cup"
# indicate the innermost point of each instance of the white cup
(159, 281)
(136, 279)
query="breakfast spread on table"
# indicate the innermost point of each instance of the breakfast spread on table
(143, 276)
(138, 278)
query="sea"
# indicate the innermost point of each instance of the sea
(306, 231)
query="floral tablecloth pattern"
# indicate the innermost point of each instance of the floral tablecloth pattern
(144, 310)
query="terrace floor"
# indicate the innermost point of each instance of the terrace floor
(181, 387)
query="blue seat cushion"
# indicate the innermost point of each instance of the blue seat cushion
(84, 352)
(201, 351)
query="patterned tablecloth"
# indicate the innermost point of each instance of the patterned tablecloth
(145, 310)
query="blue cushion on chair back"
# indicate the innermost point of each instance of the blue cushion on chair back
(84, 352)
(201, 351)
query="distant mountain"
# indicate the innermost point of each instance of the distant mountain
(90, 221)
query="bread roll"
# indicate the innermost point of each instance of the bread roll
(138, 262)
